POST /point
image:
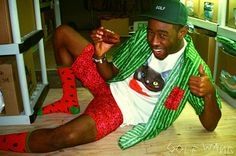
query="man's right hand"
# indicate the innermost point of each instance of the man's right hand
(101, 47)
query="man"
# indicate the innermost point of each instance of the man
(147, 84)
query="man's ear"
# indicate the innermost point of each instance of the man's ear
(182, 32)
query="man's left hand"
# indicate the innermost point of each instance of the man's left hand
(201, 85)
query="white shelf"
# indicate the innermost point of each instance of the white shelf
(9, 49)
(203, 24)
(27, 41)
(15, 120)
(227, 32)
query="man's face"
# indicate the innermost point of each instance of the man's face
(163, 38)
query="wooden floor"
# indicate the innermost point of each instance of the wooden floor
(185, 137)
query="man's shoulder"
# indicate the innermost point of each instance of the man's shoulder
(190, 51)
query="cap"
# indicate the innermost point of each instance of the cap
(169, 11)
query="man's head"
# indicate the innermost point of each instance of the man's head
(166, 27)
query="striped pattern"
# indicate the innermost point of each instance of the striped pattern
(133, 54)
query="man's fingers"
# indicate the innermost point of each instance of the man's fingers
(201, 70)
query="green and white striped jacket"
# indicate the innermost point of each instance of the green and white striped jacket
(131, 55)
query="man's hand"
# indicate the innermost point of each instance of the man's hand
(201, 85)
(100, 47)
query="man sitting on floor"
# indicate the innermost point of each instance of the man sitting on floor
(150, 79)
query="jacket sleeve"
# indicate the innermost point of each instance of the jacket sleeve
(198, 102)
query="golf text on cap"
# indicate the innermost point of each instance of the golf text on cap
(158, 7)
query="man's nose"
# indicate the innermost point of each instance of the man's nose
(156, 40)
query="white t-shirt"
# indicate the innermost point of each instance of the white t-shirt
(137, 95)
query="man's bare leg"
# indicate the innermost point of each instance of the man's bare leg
(80, 130)
(68, 45)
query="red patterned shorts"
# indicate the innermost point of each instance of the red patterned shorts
(103, 108)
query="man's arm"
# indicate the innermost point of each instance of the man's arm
(211, 114)
(106, 69)
(202, 86)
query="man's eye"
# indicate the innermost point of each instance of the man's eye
(163, 36)
(151, 33)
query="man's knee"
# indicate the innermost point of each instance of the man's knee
(61, 30)
(62, 138)
(78, 132)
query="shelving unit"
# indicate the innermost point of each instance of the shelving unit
(230, 33)
(222, 29)
(17, 48)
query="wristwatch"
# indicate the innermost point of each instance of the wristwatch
(101, 60)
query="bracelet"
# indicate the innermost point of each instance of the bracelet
(100, 61)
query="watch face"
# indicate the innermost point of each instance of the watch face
(102, 60)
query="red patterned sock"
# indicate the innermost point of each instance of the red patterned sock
(17, 142)
(69, 102)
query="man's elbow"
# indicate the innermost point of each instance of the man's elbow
(210, 125)
(210, 128)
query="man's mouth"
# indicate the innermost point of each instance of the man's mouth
(157, 50)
